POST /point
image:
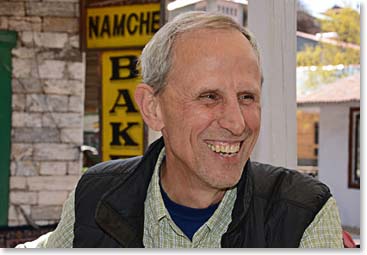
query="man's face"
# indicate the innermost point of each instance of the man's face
(210, 107)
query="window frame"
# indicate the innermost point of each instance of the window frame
(354, 137)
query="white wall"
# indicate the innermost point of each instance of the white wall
(333, 160)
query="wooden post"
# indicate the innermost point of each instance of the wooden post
(274, 24)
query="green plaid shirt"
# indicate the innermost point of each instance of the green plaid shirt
(161, 232)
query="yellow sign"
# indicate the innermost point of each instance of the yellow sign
(122, 124)
(121, 26)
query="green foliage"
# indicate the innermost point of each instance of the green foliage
(327, 54)
(346, 23)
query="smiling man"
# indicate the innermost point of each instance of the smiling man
(196, 186)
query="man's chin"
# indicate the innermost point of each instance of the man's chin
(226, 183)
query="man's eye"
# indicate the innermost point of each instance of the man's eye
(209, 96)
(247, 97)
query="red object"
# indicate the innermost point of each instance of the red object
(348, 240)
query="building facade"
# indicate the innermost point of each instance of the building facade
(47, 106)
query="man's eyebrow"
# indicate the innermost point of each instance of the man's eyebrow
(250, 91)
(208, 90)
(218, 89)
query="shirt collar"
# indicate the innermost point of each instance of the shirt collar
(159, 208)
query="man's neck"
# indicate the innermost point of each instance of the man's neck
(186, 192)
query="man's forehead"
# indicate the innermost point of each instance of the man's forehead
(212, 42)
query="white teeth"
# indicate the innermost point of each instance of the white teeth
(225, 148)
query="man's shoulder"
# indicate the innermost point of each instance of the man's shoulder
(113, 167)
(279, 183)
(103, 176)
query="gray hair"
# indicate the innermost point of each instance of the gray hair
(156, 58)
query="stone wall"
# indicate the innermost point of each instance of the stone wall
(48, 104)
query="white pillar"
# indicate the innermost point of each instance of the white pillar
(274, 24)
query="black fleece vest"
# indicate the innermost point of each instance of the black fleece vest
(273, 208)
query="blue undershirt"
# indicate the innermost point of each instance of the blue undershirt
(189, 220)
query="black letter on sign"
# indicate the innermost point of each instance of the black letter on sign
(117, 133)
(106, 27)
(93, 26)
(130, 28)
(131, 67)
(119, 26)
(128, 102)
(144, 22)
(155, 22)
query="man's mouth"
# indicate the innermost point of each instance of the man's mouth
(225, 149)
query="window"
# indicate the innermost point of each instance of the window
(316, 130)
(354, 137)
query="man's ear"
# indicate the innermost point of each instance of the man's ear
(149, 106)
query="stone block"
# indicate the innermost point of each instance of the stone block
(52, 197)
(74, 41)
(47, 54)
(75, 167)
(71, 54)
(14, 212)
(53, 168)
(46, 103)
(64, 87)
(46, 40)
(72, 135)
(12, 168)
(55, 24)
(17, 182)
(23, 119)
(52, 183)
(76, 104)
(14, 223)
(50, 151)
(76, 70)
(46, 222)
(26, 168)
(35, 135)
(51, 40)
(24, 52)
(37, 103)
(77, 10)
(70, 120)
(57, 9)
(21, 151)
(12, 9)
(4, 23)
(25, 24)
(46, 212)
(28, 85)
(22, 197)
(26, 38)
(18, 102)
(58, 103)
(24, 68)
(19, 222)
(52, 69)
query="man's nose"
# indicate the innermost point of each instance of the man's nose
(232, 118)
